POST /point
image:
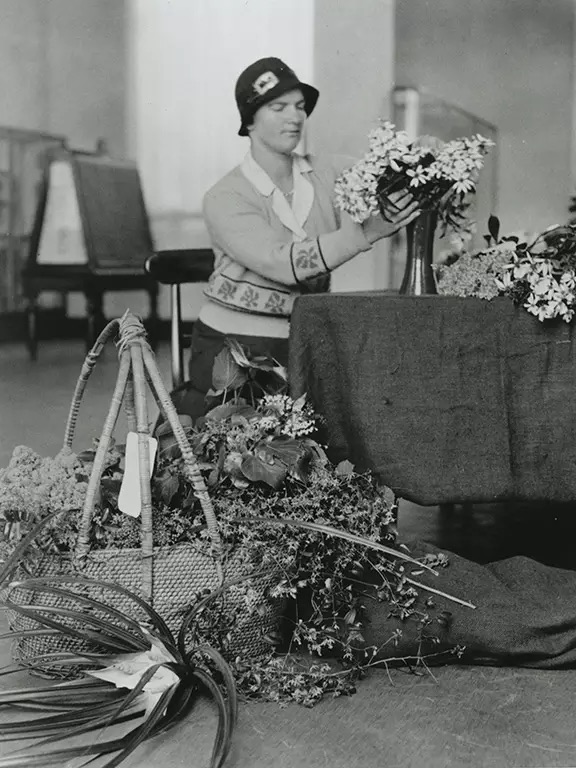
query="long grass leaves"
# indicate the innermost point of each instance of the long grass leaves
(105, 640)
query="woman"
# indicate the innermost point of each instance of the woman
(274, 228)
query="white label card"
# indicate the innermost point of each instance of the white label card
(129, 500)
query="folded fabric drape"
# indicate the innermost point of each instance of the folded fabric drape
(524, 614)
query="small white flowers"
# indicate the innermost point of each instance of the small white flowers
(475, 274)
(417, 175)
(293, 418)
(540, 275)
(427, 168)
(550, 285)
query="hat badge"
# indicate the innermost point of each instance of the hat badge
(265, 82)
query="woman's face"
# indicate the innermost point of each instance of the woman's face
(278, 125)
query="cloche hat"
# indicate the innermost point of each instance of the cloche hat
(264, 81)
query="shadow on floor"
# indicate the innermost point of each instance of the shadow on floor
(487, 532)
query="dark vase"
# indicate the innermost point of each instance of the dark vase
(418, 275)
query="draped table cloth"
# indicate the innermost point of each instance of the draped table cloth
(446, 399)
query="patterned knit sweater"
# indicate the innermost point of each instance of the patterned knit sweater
(266, 249)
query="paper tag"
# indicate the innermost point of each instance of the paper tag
(129, 500)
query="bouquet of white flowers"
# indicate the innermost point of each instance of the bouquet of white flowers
(440, 175)
(541, 276)
(538, 274)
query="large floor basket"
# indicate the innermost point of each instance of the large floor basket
(169, 578)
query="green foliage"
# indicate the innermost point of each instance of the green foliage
(239, 375)
(293, 677)
(134, 672)
(493, 229)
(326, 533)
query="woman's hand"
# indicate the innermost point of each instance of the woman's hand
(400, 209)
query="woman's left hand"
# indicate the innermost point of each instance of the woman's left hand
(400, 209)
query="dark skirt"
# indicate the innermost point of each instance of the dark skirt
(206, 344)
(525, 614)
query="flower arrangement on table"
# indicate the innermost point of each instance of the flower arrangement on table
(325, 531)
(441, 175)
(538, 274)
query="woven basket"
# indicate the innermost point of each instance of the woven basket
(169, 578)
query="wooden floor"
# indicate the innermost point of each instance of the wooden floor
(464, 716)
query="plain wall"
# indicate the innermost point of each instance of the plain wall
(354, 72)
(62, 69)
(511, 63)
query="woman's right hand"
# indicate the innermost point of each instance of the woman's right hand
(400, 209)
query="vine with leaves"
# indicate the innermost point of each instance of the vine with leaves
(326, 532)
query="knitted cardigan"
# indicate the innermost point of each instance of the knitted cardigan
(265, 250)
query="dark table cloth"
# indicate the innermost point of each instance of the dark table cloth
(447, 399)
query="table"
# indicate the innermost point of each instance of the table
(37, 278)
(446, 399)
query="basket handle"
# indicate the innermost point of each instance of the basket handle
(91, 358)
(137, 358)
(89, 364)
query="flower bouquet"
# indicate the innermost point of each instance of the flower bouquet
(440, 175)
(538, 273)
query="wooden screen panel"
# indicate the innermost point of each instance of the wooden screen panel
(113, 212)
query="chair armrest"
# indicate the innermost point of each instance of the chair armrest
(190, 265)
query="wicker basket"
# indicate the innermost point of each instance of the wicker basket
(169, 578)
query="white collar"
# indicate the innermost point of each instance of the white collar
(293, 216)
